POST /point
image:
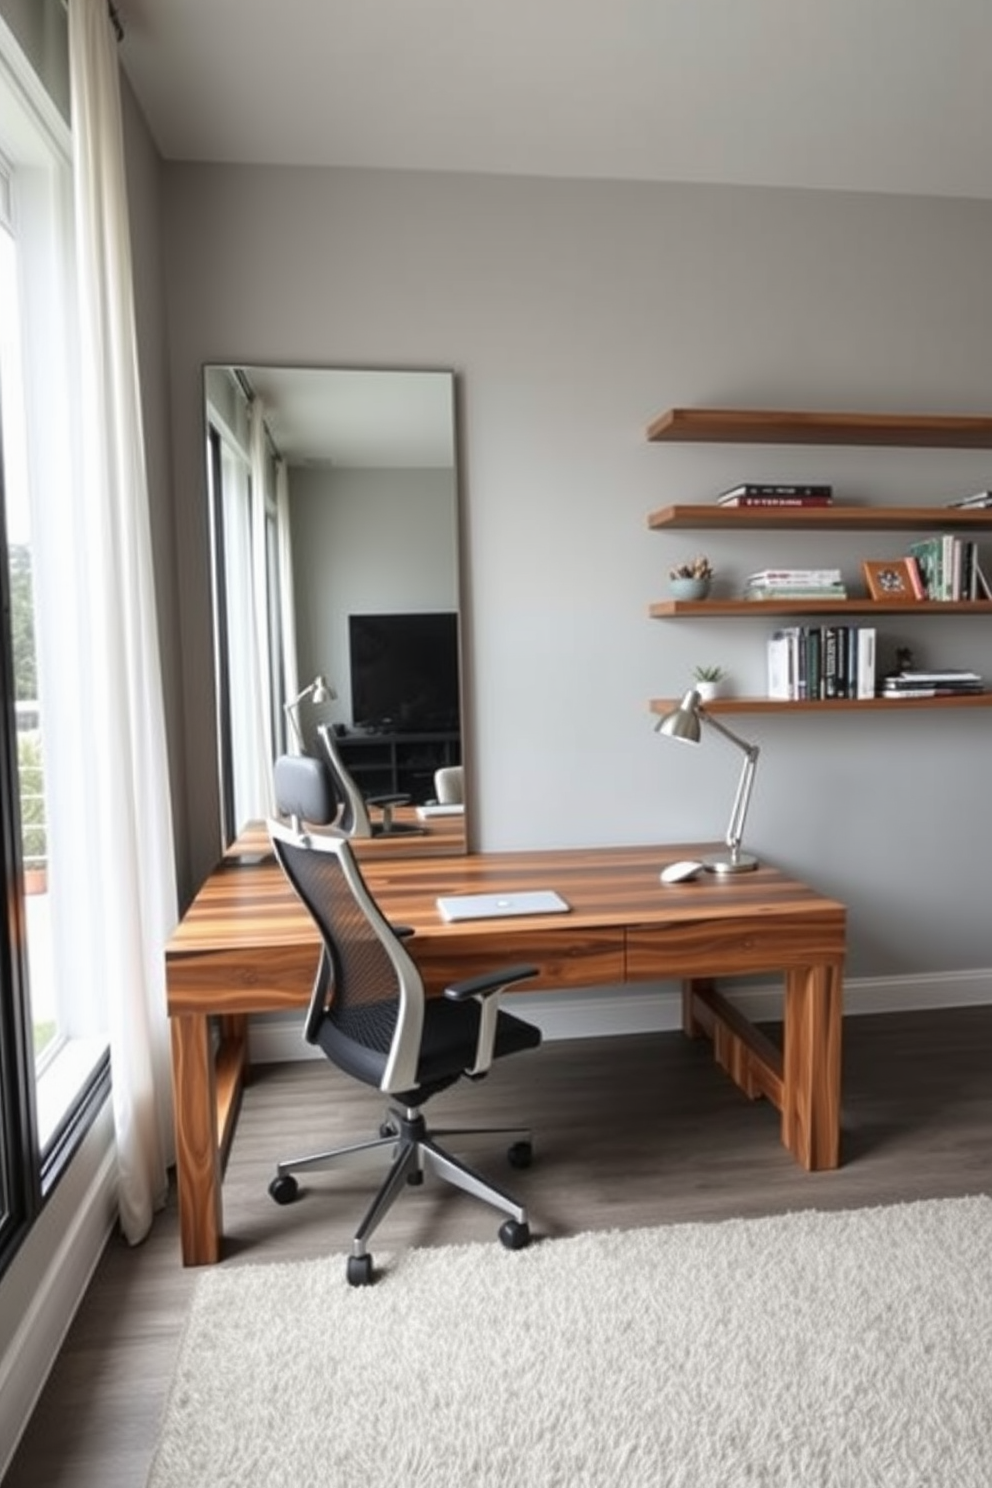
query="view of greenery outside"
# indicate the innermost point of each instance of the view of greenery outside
(30, 760)
(31, 775)
(22, 624)
(32, 778)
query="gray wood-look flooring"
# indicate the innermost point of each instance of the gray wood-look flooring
(629, 1131)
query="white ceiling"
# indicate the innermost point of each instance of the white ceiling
(352, 419)
(870, 95)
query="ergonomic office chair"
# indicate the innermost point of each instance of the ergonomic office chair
(369, 1014)
(354, 819)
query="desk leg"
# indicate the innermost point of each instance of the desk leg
(811, 1067)
(198, 1159)
(691, 1026)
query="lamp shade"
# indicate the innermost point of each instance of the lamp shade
(683, 722)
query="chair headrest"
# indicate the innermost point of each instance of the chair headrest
(304, 787)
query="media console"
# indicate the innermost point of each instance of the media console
(385, 763)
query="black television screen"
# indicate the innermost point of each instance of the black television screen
(404, 672)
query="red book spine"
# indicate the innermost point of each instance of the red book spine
(776, 501)
(916, 578)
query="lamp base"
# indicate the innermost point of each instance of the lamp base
(730, 863)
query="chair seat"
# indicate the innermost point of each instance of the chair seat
(447, 1046)
(451, 1031)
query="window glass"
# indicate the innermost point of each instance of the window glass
(27, 699)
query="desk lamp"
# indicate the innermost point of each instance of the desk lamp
(318, 692)
(684, 723)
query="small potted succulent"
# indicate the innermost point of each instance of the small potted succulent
(691, 580)
(708, 681)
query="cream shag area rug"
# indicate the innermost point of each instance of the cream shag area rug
(851, 1349)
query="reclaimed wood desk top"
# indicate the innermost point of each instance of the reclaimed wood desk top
(250, 905)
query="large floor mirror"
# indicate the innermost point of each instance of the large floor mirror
(334, 526)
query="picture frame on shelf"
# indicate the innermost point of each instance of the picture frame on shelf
(890, 578)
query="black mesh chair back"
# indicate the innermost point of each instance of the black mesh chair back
(365, 979)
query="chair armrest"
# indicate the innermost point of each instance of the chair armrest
(485, 989)
(488, 982)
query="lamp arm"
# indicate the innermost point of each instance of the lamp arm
(742, 800)
(727, 733)
(290, 708)
(290, 711)
(294, 702)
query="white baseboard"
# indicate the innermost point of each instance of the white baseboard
(597, 1012)
(72, 1241)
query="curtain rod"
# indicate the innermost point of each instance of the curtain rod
(244, 383)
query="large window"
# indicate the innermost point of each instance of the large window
(54, 1064)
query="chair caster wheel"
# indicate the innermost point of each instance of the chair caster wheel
(514, 1235)
(415, 1178)
(520, 1155)
(359, 1270)
(387, 1129)
(284, 1188)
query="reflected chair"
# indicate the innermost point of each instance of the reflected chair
(354, 818)
(449, 785)
(369, 1014)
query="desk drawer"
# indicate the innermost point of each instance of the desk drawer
(734, 946)
(583, 959)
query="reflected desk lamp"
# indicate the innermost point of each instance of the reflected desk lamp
(318, 691)
(685, 723)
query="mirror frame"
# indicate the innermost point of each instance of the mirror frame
(314, 428)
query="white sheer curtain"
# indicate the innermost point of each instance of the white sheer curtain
(264, 750)
(124, 879)
(287, 599)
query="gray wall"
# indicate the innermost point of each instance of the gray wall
(366, 542)
(573, 312)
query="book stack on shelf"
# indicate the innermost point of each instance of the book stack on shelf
(795, 583)
(948, 568)
(919, 684)
(821, 662)
(772, 494)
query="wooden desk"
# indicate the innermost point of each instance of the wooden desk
(246, 946)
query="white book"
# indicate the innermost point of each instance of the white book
(947, 565)
(783, 657)
(866, 661)
(780, 578)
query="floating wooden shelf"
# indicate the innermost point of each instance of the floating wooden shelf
(763, 609)
(756, 426)
(764, 426)
(829, 705)
(838, 518)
